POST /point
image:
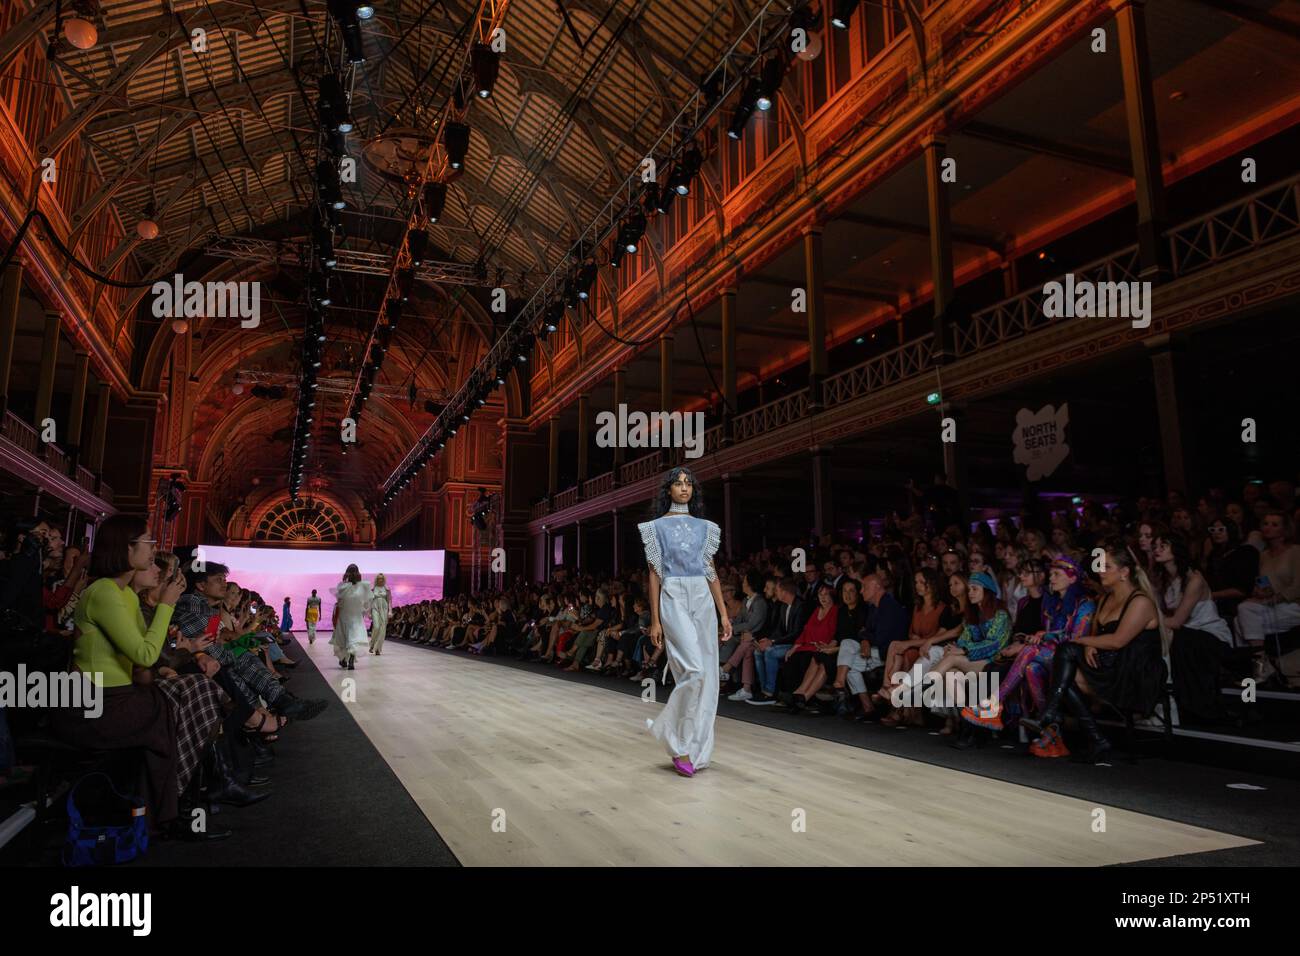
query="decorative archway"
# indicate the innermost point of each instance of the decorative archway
(308, 521)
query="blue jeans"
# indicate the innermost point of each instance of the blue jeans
(767, 663)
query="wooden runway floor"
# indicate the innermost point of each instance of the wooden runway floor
(519, 768)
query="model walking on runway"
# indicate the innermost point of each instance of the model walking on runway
(685, 605)
(381, 604)
(352, 600)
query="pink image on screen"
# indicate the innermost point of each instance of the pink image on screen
(277, 573)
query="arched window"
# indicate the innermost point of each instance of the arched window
(305, 520)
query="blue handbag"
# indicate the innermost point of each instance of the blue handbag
(119, 837)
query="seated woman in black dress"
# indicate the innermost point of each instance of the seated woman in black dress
(1120, 662)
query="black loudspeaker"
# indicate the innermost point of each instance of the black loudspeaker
(450, 575)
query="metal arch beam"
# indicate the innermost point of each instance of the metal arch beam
(31, 26)
(236, 95)
(159, 40)
(231, 15)
(647, 44)
(112, 183)
(124, 248)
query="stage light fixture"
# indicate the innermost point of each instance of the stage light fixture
(323, 239)
(711, 87)
(404, 279)
(417, 241)
(435, 199)
(585, 278)
(686, 169)
(843, 13)
(333, 105)
(630, 233)
(485, 62)
(523, 347)
(616, 253)
(770, 76)
(744, 108)
(327, 181)
(349, 16)
(455, 139)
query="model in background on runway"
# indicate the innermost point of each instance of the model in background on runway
(685, 605)
(352, 600)
(312, 615)
(381, 604)
(286, 618)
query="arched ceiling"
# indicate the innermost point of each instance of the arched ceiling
(585, 87)
(222, 142)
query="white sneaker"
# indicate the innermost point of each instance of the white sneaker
(741, 694)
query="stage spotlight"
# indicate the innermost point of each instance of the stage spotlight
(629, 234)
(585, 278)
(744, 108)
(686, 169)
(349, 15)
(417, 241)
(327, 181)
(571, 292)
(554, 313)
(484, 61)
(770, 82)
(664, 199)
(711, 87)
(650, 196)
(435, 198)
(523, 347)
(617, 252)
(843, 13)
(323, 239)
(404, 279)
(455, 139)
(333, 105)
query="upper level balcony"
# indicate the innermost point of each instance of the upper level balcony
(1223, 261)
(50, 469)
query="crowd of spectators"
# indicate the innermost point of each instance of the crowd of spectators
(1088, 609)
(191, 668)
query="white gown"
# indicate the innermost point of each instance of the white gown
(350, 633)
(379, 609)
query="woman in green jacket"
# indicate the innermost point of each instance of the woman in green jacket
(111, 642)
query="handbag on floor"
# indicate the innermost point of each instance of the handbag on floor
(106, 827)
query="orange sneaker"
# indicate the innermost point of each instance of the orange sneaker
(1049, 745)
(975, 716)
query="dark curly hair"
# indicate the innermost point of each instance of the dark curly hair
(663, 498)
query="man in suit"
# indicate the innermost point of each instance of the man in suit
(770, 651)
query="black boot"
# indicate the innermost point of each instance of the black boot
(1065, 664)
(222, 785)
(1098, 745)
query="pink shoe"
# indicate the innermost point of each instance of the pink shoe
(683, 766)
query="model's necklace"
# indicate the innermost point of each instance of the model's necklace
(677, 508)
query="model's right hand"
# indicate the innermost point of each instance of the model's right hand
(656, 634)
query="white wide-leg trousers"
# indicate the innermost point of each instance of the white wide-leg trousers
(690, 625)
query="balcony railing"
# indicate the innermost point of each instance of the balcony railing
(20, 433)
(642, 467)
(566, 498)
(598, 486)
(1257, 220)
(48, 466)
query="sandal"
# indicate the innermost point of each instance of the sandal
(267, 735)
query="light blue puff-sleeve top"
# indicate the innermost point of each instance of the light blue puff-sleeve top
(681, 546)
